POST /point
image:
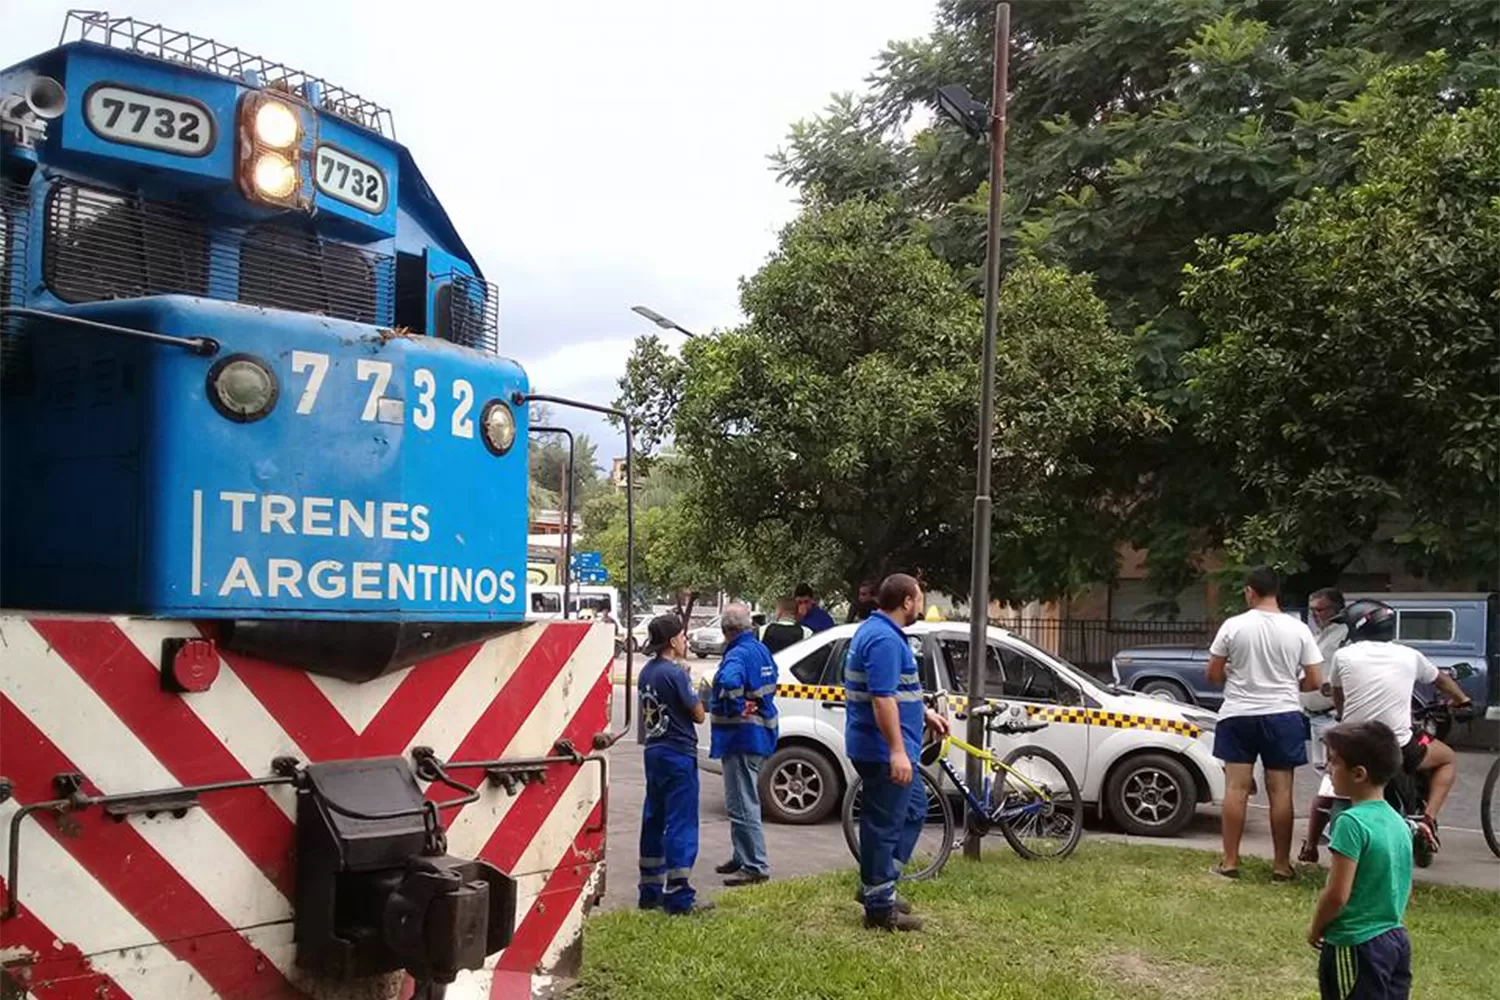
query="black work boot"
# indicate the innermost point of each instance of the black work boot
(892, 920)
(902, 905)
(728, 868)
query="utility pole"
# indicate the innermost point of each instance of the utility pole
(979, 583)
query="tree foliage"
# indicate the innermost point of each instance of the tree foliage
(677, 555)
(1352, 370)
(832, 436)
(547, 459)
(1136, 132)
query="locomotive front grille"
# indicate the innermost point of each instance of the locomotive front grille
(15, 215)
(103, 245)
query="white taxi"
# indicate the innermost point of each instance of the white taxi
(1145, 762)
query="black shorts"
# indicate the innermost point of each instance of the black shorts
(1379, 969)
(1415, 752)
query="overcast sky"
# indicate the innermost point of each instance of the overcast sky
(594, 154)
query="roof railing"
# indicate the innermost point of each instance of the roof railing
(159, 42)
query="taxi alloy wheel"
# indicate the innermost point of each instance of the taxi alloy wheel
(798, 785)
(1152, 795)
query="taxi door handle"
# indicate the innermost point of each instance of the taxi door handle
(834, 704)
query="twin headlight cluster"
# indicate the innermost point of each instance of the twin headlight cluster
(243, 388)
(272, 151)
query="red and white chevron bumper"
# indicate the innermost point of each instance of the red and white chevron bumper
(198, 906)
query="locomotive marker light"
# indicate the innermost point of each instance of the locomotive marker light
(275, 177)
(242, 388)
(270, 151)
(498, 426)
(276, 125)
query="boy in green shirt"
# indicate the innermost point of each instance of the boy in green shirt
(1366, 954)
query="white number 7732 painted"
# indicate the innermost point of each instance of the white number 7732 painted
(301, 362)
(381, 370)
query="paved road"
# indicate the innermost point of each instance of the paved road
(801, 850)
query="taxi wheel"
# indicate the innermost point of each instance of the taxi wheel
(798, 785)
(1152, 795)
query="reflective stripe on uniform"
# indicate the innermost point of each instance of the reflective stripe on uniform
(744, 720)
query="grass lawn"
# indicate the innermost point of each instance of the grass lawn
(1112, 921)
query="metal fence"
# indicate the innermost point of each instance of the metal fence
(1090, 644)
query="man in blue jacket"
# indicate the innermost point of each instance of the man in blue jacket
(809, 612)
(883, 736)
(742, 708)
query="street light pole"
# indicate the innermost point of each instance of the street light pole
(979, 582)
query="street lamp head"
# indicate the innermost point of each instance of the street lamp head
(653, 316)
(660, 320)
(960, 107)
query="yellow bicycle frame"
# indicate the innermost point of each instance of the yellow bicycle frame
(995, 763)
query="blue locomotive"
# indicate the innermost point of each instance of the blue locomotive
(250, 370)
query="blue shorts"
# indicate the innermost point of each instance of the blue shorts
(1277, 740)
(1379, 969)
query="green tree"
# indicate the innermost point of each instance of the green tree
(1352, 372)
(677, 554)
(547, 459)
(832, 436)
(1136, 130)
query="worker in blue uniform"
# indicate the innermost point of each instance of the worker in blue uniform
(809, 612)
(669, 708)
(742, 707)
(883, 730)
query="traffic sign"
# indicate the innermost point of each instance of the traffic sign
(588, 560)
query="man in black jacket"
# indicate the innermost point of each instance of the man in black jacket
(785, 630)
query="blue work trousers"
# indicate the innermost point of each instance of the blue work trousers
(669, 830)
(890, 821)
(742, 800)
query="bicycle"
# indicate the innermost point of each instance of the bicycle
(1039, 813)
(1487, 798)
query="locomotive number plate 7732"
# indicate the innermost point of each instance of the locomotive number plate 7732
(349, 179)
(155, 121)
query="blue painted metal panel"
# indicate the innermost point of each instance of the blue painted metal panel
(374, 152)
(313, 511)
(89, 66)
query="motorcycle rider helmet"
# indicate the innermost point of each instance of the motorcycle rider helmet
(1370, 621)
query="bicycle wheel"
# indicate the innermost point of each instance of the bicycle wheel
(935, 842)
(1046, 826)
(1487, 807)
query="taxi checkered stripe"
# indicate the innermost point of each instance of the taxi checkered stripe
(814, 692)
(1077, 716)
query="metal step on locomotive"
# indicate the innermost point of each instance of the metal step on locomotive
(272, 720)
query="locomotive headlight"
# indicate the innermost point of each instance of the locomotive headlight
(275, 177)
(498, 426)
(242, 388)
(277, 125)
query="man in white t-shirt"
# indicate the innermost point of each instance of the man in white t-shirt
(1373, 678)
(1263, 659)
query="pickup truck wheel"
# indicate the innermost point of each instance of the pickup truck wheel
(1170, 690)
(798, 785)
(1152, 795)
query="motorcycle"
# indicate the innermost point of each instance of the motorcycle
(1407, 792)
